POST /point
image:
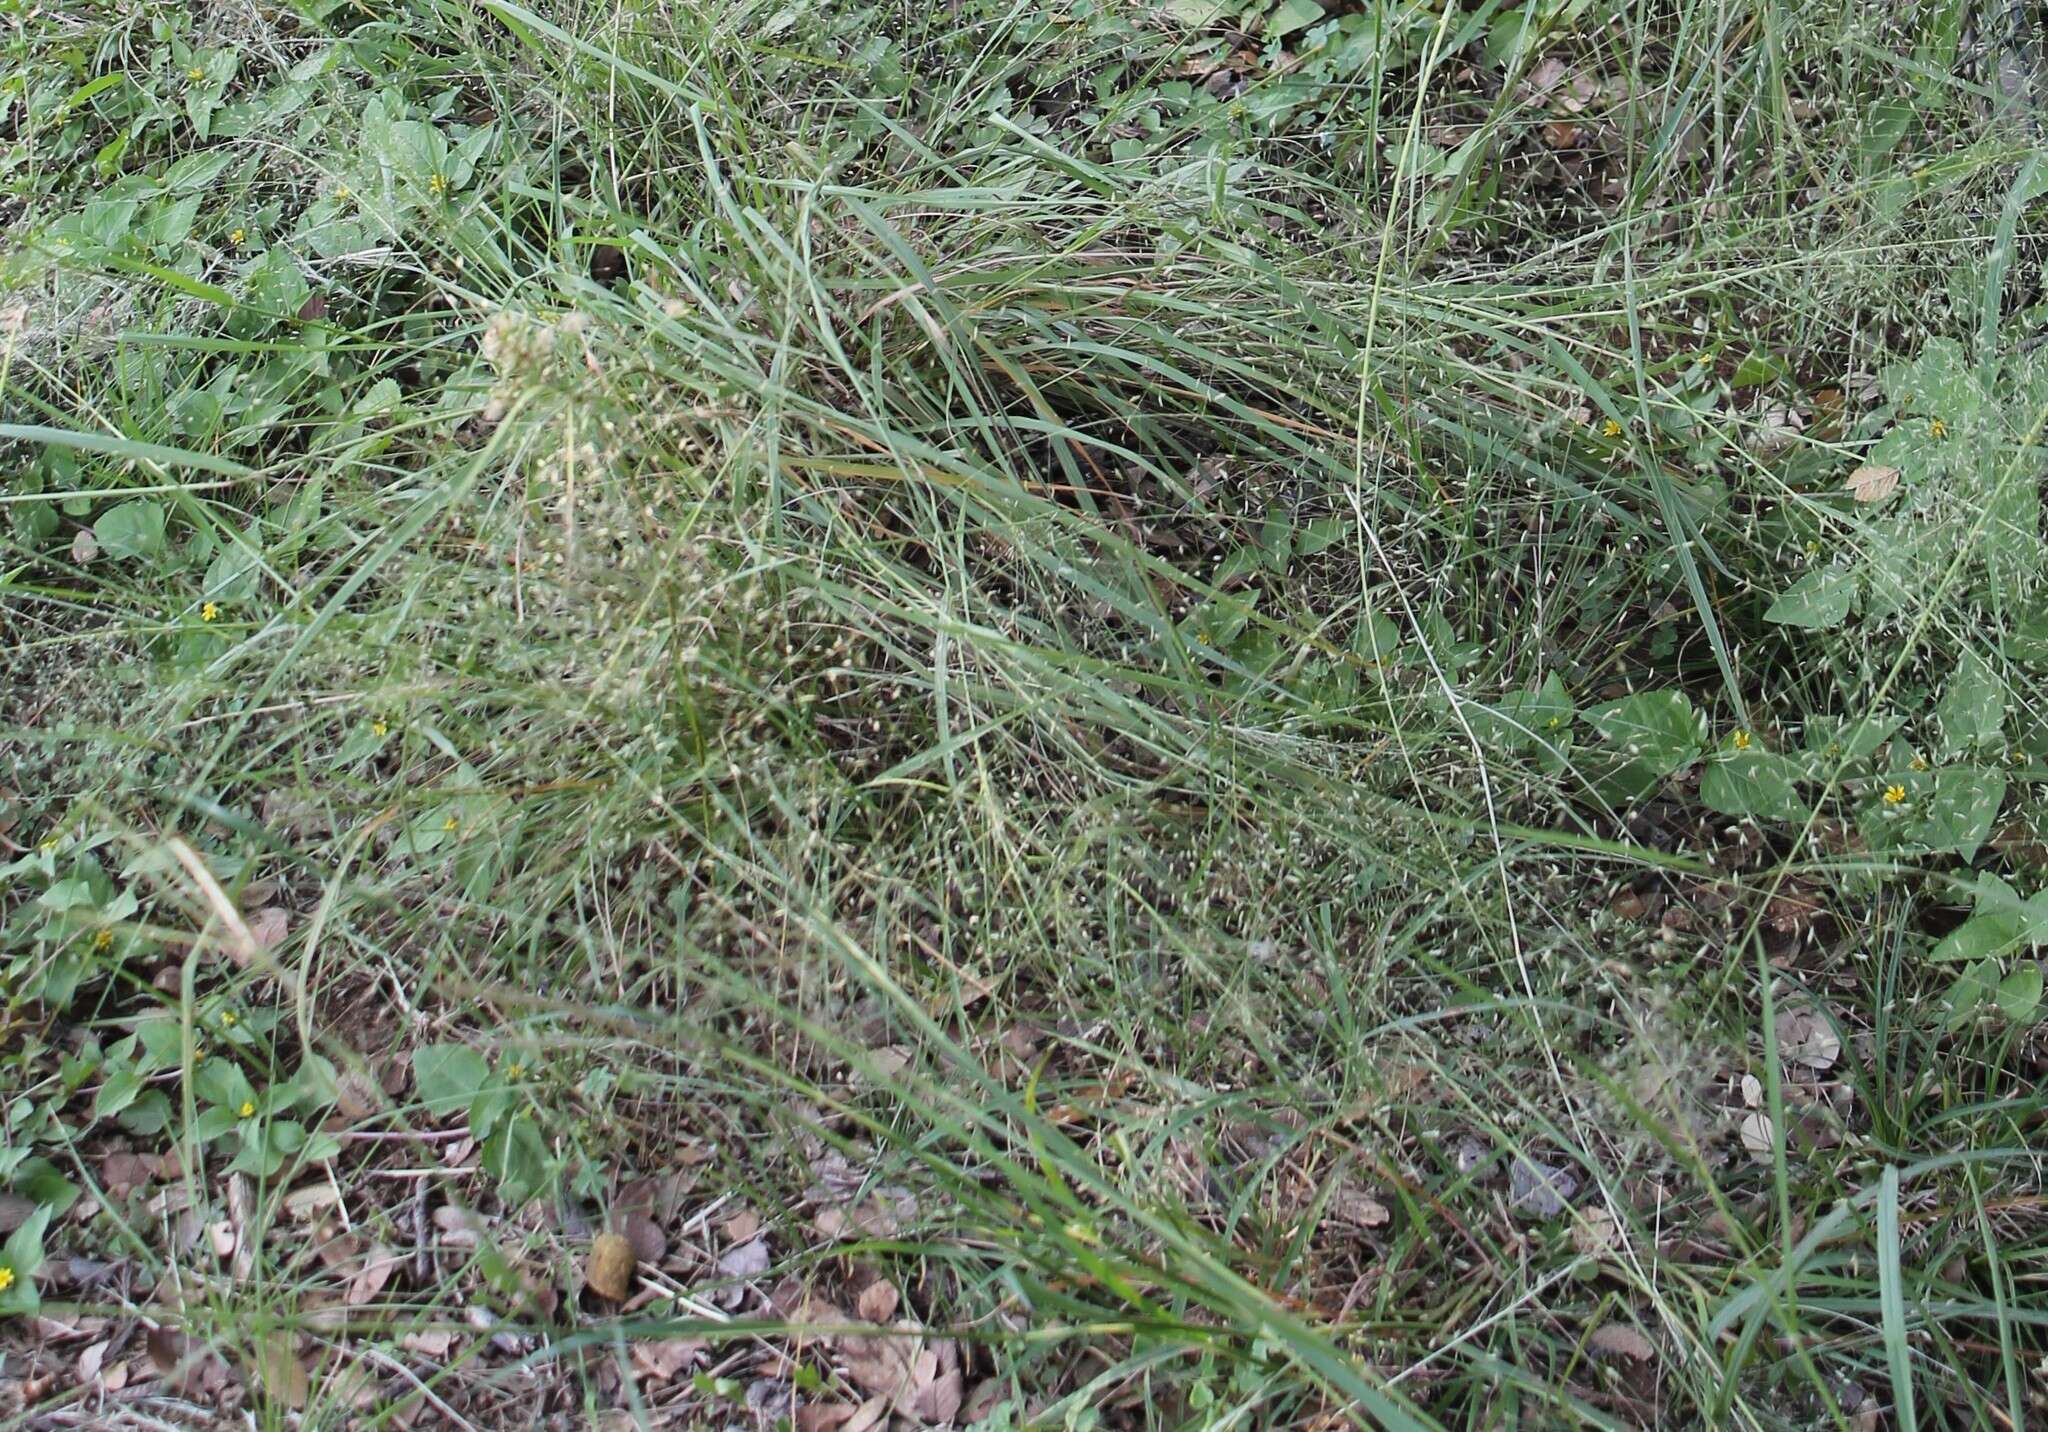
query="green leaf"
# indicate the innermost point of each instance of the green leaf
(448, 1076)
(1759, 368)
(517, 1157)
(21, 1257)
(119, 1090)
(134, 529)
(1972, 710)
(1972, 987)
(1291, 16)
(1957, 808)
(2019, 993)
(1659, 729)
(1753, 783)
(1817, 601)
(1854, 739)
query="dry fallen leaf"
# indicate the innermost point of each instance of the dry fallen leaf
(1758, 1135)
(1873, 482)
(609, 1271)
(1621, 1340)
(431, 1343)
(84, 546)
(878, 1301)
(748, 1260)
(742, 1226)
(270, 925)
(1805, 1037)
(378, 1266)
(279, 1371)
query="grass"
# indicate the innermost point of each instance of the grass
(1205, 702)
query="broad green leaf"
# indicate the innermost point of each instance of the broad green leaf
(1854, 739)
(1759, 784)
(1956, 809)
(1817, 601)
(1658, 729)
(448, 1076)
(133, 529)
(1291, 16)
(1972, 987)
(2019, 993)
(1972, 709)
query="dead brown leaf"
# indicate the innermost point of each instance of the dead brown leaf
(662, 1359)
(1805, 1037)
(609, 1270)
(270, 925)
(378, 1266)
(878, 1301)
(279, 1372)
(1872, 482)
(1622, 1340)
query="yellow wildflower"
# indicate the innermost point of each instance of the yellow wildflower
(209, 612)
(437, 184)
(1741, 740)
(378, 727)
(515, 1070)
(6, 1278)
(248, 1108)
(227, 1019)
(1937, 429)
(1918, 763)
(451, 822)
(103, 940)
(1894, 795)
(1610, 429)
(341, 191)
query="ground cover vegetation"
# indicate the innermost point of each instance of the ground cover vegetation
(1067, 715)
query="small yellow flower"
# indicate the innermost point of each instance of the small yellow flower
(515, 1070)
(1834, 748)
(1894, 795)
(1610, 429)
(1704, 358)
(237, 236)
(227, 1019)
(379, 727)
(104, 940)
(1554, 722)
(341, 191)
(47, 844)
(209, 612)
(248, 1108)
(1918, 763)
(6, 1278)
(1937, 429)
(195, 74)
(451, 822)
(1812, 549)
(437, 184)
(1740, 740)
